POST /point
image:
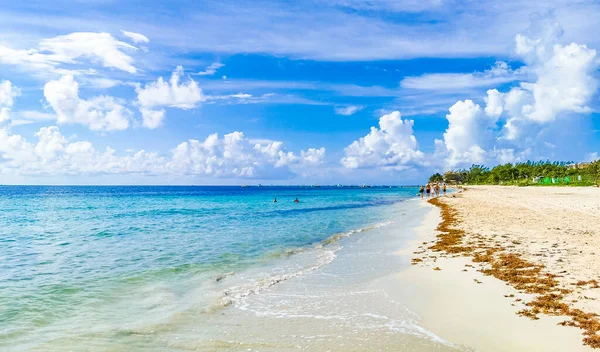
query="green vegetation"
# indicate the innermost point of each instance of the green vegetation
(436, 178)
(526, 174)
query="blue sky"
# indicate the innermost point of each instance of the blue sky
(339, 91)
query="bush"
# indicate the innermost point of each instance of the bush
(523, 174)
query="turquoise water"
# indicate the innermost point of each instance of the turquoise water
(76, 262)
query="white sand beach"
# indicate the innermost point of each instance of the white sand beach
(551, 226)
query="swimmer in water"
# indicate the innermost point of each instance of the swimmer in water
(275, 200)
(296, 200)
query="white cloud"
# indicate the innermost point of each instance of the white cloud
(152, 118)
(20, 122)
(103, 83)
(493, 103)
(348, 110)
(336, 34)
(242, 96)
(153, 97)
(37, 115)
(237, 98)
(452, 29)
(27, 117)
(230, 156)
(30, 59)
(276, 153)
(260, 141)
(136, 37)
(101, 113)
(592, 156)
(211, 69)
(4, 114)
(500, 73)
(312, 156)
(563, 83)
(392, 146)
(464, 136)
(54, 154)
(101, 48)
(8, 93)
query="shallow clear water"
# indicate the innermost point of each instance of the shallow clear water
(81, 266)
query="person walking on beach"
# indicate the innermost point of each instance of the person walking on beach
(444, 189)
(421, 191)
(437, 189)
(428, 190)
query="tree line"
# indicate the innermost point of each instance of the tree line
(526, 173)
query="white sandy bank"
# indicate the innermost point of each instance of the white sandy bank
(470, 309)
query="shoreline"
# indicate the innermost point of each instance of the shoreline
(366, 296)
(458, 306)
(339, 306)
(476, 307)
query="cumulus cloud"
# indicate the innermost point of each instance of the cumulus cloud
(101, 48)
(54, 154)
(8, 93)
(233, 155)
(347, 110)
(465, 134)
(494, 103)
(136, 37)
(101, 113)
(391, 146)
(211, 69)
(152, 118)
(4, 114)
(563, 84)
(155, 96)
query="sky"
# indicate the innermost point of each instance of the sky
(292, 92)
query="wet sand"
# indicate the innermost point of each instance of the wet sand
(553, 227)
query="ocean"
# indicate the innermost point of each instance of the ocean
(148, 268)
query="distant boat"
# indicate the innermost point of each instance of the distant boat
(244, 186)
(259, 185)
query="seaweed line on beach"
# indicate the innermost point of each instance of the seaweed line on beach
(525, 276)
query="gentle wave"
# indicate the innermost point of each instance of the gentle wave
(237, 293)
(339, 236)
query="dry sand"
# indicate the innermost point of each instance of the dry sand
(553, 226)
(558, 227)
